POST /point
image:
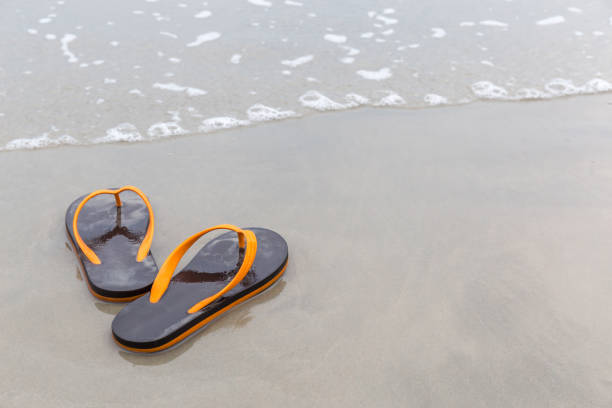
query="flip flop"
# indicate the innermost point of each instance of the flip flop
(120, 232)
(227, 271)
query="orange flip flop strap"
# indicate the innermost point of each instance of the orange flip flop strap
(162, 280)
(148, 238)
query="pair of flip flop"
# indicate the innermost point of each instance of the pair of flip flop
(111, 238)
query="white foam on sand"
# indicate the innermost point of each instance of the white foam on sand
(467, 24)
(66, 39)
(165, 129)
(221, 122)
(39, 142)
(263, 3)
(236, 59)
(297, 61)
(202, 38)
(159, 17)
(551, 21)
(171, 86)
(437, 32)
(350, 50)
(380, 75)
(316, 100)
(574, 10)
(47, 20)
(386, 20)
(168, 34)
(493, 23)
(553, 88)
(433, 99)
(353, 100)
(530, 93)
(124, 132)
(562, 87)
(488, 90)
(263, 113)
(293, 3)
(390, 99)
(335, 38)
(597, 85)
(203, 14)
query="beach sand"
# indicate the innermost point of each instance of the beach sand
(454, 256)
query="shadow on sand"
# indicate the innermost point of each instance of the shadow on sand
(238, 317)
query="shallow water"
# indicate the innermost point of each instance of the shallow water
(103, 71)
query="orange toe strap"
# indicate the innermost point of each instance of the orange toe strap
(146, 242)
(162, 280)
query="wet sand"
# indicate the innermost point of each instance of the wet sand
(443, 257)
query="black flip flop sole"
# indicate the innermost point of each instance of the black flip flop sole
(114, 234)
(143, 326)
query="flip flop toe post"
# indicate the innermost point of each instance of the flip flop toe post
(227, 271)
(111, 232)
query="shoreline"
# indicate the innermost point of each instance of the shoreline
(441, 257)
(69, 141)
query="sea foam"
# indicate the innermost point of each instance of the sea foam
(263, 3)
(434, 99)
(67, 39)
(318, 101)
(39, 142)
(390, 99)
(488, 90)
(203, 14)
(493, 23)
(202, 38)
(262, 113)
(297, 61)
(335, 38)
(437, 32)
(124, 132)
(380, 75)
(165, 129)
(551, 21)
(221, 122)
(171, 86)
(554, 88)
